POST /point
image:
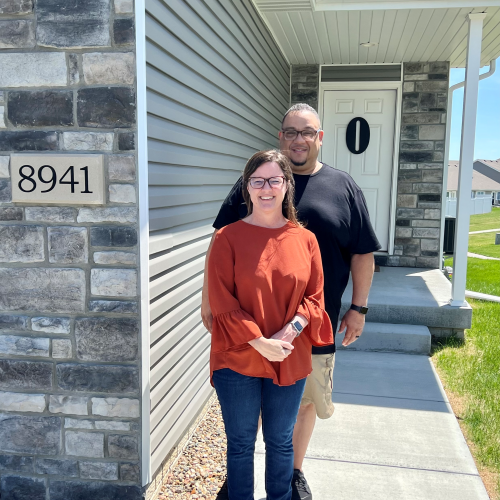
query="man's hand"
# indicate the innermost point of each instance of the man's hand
(271, 349)
(354, 322)
(206, 312)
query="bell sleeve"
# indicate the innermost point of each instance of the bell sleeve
(232, 326)
(319, 329)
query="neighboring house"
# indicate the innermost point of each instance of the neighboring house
(485, 180)
(174, 96)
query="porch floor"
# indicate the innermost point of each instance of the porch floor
(393, 436)
(412, 296)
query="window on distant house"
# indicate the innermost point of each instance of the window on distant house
(472, 194)
(479, 193)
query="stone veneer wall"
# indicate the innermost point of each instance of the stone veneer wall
(69, 305)
(421, 165)
(421, 158)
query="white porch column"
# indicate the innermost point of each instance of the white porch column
(467, 157)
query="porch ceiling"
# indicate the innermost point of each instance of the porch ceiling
(312, 32)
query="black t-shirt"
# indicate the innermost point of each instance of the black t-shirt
(333, 207)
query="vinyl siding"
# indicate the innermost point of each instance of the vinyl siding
(217, 87)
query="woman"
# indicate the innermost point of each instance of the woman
(265, 283)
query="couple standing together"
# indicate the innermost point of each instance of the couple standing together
(286, 238)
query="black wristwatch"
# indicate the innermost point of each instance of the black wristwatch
(360, 309)
(297, 327)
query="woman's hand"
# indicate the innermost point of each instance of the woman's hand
(287, 333)
(272, 349)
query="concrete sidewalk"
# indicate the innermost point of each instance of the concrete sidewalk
(393, 436)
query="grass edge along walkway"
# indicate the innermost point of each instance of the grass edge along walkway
(490, 220)
(470, 372)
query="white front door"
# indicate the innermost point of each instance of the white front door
(371, 169)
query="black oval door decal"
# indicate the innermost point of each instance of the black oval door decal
(357, 136)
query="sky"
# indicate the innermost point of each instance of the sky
(488, 116)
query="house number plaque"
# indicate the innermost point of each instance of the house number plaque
(57, 179)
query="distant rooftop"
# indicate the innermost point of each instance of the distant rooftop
(480, 182)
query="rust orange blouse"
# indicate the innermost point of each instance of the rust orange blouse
(258, 279)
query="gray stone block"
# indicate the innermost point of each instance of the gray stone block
(427, 188)
(409, 132)
(27, 434)
(409, 174)
(410, 213)
(74, 71)
(28, 140)
(113, 236)
(403, 232)
(4, 166)
(122, 193)
(114, 214)
(42, 108)
(88, 141)
(55, 467)
(70, 405)
(107, 339)
(21, 244)
(18, 374)
(421, 118)
(123, 446)
(16, 7)
(65, 490)
(412, 67)
(62, 349)
(431, 86)
(124, 6)
(11, 214)
(405, 187)
(113, 306)
(24, 346)
(430, 262)
(99, 470)
(439, 67)
(425, 223)
(408, 87)
(97, 378)
(12, 322)
(432, 213)
(417, 145)
(16, 463)
(33, 69)
(126, 141)
(109, 68)
(410, 106)
(130, 472)
(84, 444)
(116, 407)
(429, 197)
(113, 282)
(17, 34)
(77, 423)
(111, 425)
(5, 189)
(47, 290)
(124, 31)
(67, 10)
(108, 107)
(415, 156)
(68, 245)
(425, 232)
(16, 401)
(407, 200)
(22, 488)
(106, 258)
(50, 325)
(121, 168)
(50, 214)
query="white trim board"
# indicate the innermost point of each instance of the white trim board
(397, 86)
(142, 176)
(319, 5)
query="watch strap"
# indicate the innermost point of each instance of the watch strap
(360, 309)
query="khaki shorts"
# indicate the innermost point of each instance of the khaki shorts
(319, 385)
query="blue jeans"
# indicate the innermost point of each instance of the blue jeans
(242, 399)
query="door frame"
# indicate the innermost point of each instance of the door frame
(398, 87)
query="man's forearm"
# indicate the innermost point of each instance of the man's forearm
(362, 268)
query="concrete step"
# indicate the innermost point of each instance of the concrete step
(388, 337)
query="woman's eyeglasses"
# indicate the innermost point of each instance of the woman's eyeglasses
(308, 134)
(260, 182)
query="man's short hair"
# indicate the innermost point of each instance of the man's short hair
(297, 108)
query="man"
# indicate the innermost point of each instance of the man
(333, 207)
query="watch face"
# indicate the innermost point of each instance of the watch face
(363, 310)
(298, 326)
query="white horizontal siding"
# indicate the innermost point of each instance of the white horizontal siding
(217, 87)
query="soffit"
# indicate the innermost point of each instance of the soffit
(307, 35)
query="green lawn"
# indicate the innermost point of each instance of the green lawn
(471, 371)
(483, 276)
(484, 244)
(485, 221)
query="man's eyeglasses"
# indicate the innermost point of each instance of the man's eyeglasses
(308, 134)
(260, 182)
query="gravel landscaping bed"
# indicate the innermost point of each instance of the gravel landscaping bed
(201, 469)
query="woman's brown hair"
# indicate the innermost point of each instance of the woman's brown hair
(272, 155)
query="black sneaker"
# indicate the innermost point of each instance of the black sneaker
(300, 488)
(223, 493)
